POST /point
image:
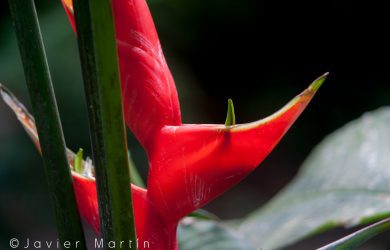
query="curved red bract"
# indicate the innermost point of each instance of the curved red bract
(151, 229)
(189, 164)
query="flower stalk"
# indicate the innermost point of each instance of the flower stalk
(48, 123)
(97, 46)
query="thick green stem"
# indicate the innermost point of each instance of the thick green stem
(97, 45)
(50, 133)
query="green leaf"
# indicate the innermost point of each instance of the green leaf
(230, 116)
(344, 182)
(196, 234)
(203, 215)
(358, 238)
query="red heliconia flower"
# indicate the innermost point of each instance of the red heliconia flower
(190, 164)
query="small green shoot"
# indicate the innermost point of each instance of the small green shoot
(230, 116)
(78, 162)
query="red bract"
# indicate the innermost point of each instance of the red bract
(152, 231)
(189, 164)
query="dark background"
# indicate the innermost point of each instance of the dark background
(260, 53)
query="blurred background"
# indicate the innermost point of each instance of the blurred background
(259, 53)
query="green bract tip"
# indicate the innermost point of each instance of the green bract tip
(230, 116)
(318, 82)
(78, 161)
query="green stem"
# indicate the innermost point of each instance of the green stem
(48, 124)
(97, 45)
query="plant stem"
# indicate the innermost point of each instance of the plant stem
(48, 123)
(97, 45)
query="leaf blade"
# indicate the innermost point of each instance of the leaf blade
(356, 239)
(344, 182)
(195, 234)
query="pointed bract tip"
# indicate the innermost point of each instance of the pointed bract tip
(69, 5)
(1, 88)
(6, 95)
(2, 92)
(230, 116)
(317, 83)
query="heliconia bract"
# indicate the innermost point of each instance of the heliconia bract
(190, 164)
